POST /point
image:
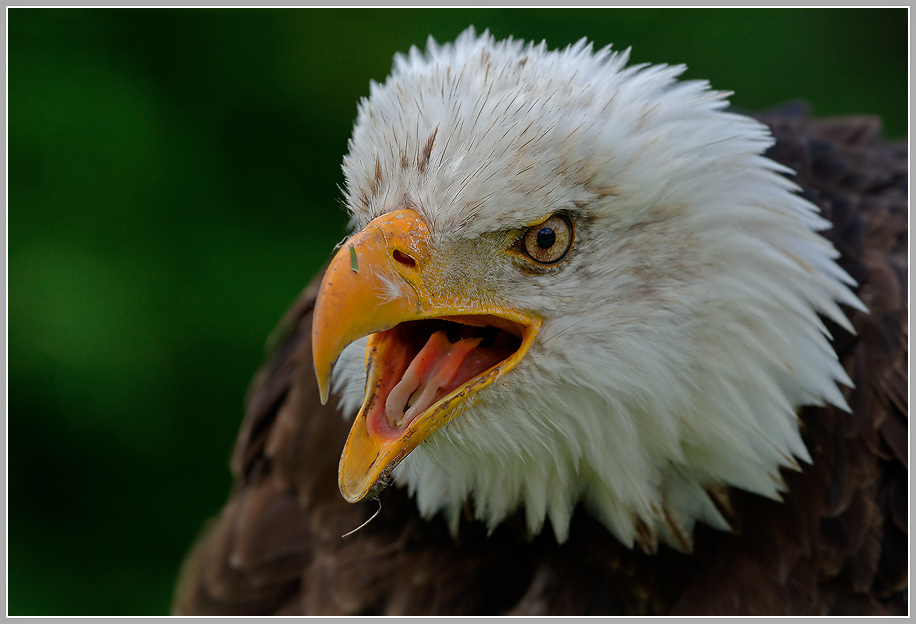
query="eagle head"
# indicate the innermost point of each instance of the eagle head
(571, 281)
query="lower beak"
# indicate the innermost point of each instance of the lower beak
(428, 351)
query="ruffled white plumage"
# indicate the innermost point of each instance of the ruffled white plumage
(681, 333)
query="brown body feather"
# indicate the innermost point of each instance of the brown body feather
(837, 544)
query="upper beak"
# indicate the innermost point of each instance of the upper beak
(377, 281)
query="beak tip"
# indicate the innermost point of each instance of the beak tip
(350, 498)
(323, 391)
(323, 377)
(353, 492)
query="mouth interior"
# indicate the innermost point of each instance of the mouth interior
(420, 362)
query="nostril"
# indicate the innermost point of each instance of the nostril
(403, 258)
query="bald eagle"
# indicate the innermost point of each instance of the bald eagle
(615, 348)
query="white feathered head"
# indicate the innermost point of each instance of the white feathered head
(581, 282)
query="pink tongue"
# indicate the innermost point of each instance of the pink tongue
(433, 368)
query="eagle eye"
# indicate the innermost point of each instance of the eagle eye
(549, 242)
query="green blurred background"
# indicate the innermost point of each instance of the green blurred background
(173, 184)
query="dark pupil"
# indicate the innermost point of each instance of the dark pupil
(546, 238)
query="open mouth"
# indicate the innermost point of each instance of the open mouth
(419, 365)
(429, 352)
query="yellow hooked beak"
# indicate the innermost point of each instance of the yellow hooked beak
(429, 350)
